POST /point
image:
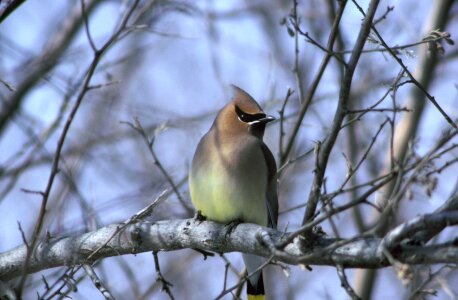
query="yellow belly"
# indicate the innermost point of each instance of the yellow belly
(223, 198)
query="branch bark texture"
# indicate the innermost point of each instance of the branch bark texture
(249, 238)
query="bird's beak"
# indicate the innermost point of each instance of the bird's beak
(264, 120)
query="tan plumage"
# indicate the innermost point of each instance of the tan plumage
(233, 173)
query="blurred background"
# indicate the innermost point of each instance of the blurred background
(173, 72)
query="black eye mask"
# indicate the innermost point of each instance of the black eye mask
(246, 117)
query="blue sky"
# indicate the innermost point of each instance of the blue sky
(179, 76)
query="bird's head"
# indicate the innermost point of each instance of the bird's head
(243, 114)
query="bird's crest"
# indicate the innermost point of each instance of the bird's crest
(244, 101)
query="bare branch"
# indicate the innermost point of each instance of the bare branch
(166, 285)
(42, 64)
(406, 231)
(345, 284)
(179, 234)
(98, 283)
(412, 78)
(55, 166)
(150, 144)
(340, 114)
(308, 99)
(9, 8)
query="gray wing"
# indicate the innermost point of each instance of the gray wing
(271, 193)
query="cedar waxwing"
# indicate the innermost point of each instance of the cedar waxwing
(233, 175)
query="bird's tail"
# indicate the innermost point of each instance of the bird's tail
(255, 284)
(255, 292)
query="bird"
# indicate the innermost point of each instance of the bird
(233, 175)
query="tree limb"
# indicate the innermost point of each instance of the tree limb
(171, 235)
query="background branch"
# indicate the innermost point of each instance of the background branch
(406, 128)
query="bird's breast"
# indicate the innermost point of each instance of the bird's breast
(230, 183)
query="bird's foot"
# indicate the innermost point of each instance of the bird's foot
(232, 225)
(199, 217)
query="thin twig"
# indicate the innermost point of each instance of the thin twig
(291, 161)
(396, 109)
(332, 195)
(420, 290)
(443, 167)
(281, 112)
(225, 292)
(40, 65)
(97, 282)
(404, 67)
(311, 92)
(383, 17)
(9, 86)
(133, 219)
(227, 264)
(345, 284)
(150, 143)
(396, 84)
(352, 171)
(55, 166)
(296, 70)
(312, 41)
(362, 199)
(399, 191)
(341, 112)
(166, 285)
(86, 27)
(401, 47)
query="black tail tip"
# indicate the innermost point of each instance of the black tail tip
(255, 290)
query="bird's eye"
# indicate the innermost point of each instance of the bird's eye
(246, 117)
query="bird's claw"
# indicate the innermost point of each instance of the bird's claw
(199, 217)
(232, 225)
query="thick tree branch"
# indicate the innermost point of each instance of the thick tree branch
(428, 233)
(180, 234)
